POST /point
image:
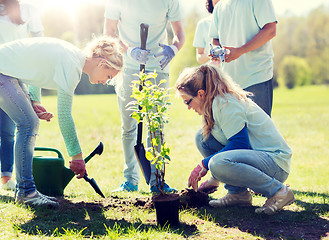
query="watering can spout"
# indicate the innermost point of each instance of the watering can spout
(68, 174)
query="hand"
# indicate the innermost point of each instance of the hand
(41, 111)
(218, 53)
(78, 167)
(233, 53)
(168, 53)
(196, 175)
(209, 186)
(138, 54)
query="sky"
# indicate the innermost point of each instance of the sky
(295, 7)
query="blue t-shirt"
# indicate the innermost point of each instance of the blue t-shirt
(155, 13)
(236, 22)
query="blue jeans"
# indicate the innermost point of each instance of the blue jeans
(7, 136)
(129, 125)
(263, 95)
(15, 103)
(243, 168)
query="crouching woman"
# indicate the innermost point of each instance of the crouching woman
(239, 142)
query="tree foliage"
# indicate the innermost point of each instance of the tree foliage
(294, 71)
(304, 37)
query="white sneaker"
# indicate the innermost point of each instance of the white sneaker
(9, 186)
(274, 204)
(240, 199)
(38, 199)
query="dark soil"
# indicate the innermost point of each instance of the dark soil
(290, 223)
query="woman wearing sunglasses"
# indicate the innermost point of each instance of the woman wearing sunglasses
(239, 142)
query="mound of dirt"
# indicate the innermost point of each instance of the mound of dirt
(191, 199)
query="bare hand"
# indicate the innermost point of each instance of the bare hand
(78, 167)
(41, 111)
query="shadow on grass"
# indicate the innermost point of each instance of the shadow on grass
(88, 219)
(299, 221)
(302, 220)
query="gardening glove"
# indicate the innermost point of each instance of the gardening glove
(168, 53)
(78, 167)
(138, 54)
(196, 175)
(209, 186)
(218, 53)
(41, 111)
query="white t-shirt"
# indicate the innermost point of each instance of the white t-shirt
(155, 13)
(10, 31)
(236, 22)
(231, 116)
(201, 37)
(43, 62)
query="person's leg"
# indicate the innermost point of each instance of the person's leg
(7, 131)
(207, 147)
(17, 106)
(128, 125)
(263, 95)
(248, 169)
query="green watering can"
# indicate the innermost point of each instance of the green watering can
(51, 176)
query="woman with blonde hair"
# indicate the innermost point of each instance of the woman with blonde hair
(239, 142)
(52, 64)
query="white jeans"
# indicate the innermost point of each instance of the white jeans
(129, 125)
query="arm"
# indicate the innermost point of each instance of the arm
(179, 34)
(238, 141)
(201, 56)
(169, 52)
(67, 127)
(262, 37)
(110, 29)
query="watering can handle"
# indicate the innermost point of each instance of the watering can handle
(46, 149)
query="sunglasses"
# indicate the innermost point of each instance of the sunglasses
(188, 102)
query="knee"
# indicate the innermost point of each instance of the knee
(199, 141)
(30, 124)
(220, 168)
(129, 130)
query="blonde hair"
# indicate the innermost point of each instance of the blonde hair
(214, 82)
(107, 48)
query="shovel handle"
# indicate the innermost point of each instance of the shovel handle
(98, 150)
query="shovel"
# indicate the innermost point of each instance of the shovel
(98, 150)
(144, 164)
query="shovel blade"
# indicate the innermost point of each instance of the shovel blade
(144, 164)
(93, 183)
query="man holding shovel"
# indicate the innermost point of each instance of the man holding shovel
(125, 17)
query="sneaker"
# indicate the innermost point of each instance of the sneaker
(126, 187)
(166, 189)
(240, 199)
(274, 204)
(37, 199)
(9, 186)
(49, 197)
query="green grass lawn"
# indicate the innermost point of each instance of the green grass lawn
(301, 115)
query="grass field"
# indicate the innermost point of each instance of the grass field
(301, 115)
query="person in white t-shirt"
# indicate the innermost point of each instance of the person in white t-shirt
(122, 20)
(201, 39)
(239, 142)
(245, 28)
(17, 20)
(52, 64)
